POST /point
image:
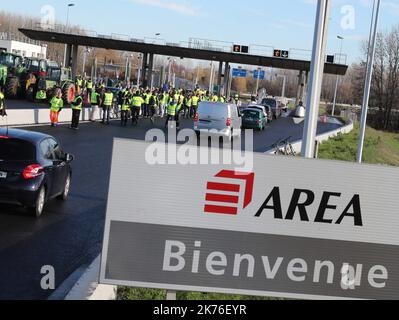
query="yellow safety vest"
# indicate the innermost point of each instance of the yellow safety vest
(195, 101)
(90, 85)
(41, 95)
(137, 101)
(108, 99)
(1, 101)
(79, 105)
(94, 98)
(172, 109)
(56, 104)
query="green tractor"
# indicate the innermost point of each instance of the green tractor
(56, 78)
(28, 75)
(10, 64)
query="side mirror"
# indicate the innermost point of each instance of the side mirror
(69, 158)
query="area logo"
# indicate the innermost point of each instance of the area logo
(223, 195)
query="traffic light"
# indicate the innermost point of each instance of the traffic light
(237, 48)
(277, 53)
(240, 49)
(281, 54)
(330, 59)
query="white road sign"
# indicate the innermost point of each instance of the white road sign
(289, 227)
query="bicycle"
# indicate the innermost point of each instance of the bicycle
(284, 148)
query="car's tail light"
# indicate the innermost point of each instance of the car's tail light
(259, 121)
(32, 171)
(4, 137)
(228, 122)
(196, 119)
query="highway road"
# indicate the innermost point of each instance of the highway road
(69, 235)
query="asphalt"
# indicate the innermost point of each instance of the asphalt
(69, 235)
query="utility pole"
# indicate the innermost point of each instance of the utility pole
(367, 87)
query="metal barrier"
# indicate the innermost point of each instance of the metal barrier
(193, 43)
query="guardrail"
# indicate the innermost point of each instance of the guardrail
(297, 145)
(193, 43)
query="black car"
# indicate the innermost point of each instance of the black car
(33, 169)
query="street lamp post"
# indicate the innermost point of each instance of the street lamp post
(67, 26)
(337, 81)
(85, 52)
(139, 71)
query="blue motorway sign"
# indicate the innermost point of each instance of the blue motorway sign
(239, 73)
(259, 75)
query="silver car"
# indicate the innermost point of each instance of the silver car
(218, 119)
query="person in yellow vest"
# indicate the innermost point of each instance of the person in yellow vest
(222, 99)
(107, 104)
(56, 105)
(194, 108)
(147, 97)
(136, 104)
(94, 103)
(214, 98)
(89, 87)
(76, 111)
(164, 98)
(187, 106)
(125, 107)
(3, 112)
(171, 111)
(79, 83)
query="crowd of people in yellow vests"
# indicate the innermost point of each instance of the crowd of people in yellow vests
(133, 103)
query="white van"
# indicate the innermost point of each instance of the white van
(218, 119)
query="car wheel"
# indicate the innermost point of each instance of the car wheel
(37, 210)
(67, 188)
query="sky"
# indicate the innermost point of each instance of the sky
(283, 24)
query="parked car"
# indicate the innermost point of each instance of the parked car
(33, 169)
(254, 119)
(223, 118)
(272, 103)
(266, 110)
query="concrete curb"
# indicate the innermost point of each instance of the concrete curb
(297, 145)
(17, 117)
(88, 288)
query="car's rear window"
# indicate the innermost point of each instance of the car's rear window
(16, 150)
(270, 102)
(251, 113)
(212, 110)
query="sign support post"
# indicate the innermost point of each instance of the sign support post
(367, 87)
(316, 78)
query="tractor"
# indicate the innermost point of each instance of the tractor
(56, 78)
(32, 70)
(10, 63)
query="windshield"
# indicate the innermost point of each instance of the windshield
(270, 102)
(32, 65)
(7, 59)
(16, 150)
